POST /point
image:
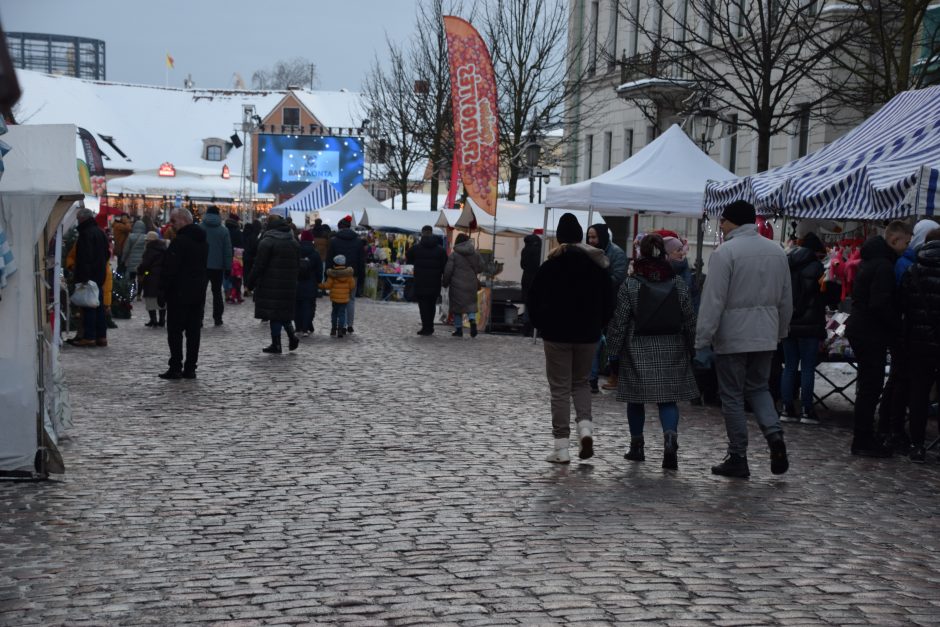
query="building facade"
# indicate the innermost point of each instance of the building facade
(78, 57)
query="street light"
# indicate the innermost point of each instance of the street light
(532, 152)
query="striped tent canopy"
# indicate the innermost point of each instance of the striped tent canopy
(885, 168)
(316, 195)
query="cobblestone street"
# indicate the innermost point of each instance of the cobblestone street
(387, 478)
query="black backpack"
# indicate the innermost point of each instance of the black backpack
(658, 311)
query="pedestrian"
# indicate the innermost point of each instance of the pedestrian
(133, 252)
(120, 230)
(920, 294)
(530, 260)
(429, 259)
(234, 227)
(874, 323)
(308, 277)
(677, 250)
(807, 329)
(273, 280)
(91, 260)
(653, 333)
(341, 282)
(183, 283)
(149, 270)
(460, 277)
(251, 234)
(746, 307)
(348, 244)
(237, 276)
(220, 258)
(599, 237)
(570, 301)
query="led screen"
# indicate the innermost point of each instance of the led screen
(289, 163)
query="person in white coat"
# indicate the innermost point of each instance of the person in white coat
(746, 307)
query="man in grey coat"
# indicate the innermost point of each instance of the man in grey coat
(746, 307)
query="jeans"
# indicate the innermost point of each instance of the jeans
(668, 416)
(871, 357)
(218, 304)
(596, 363)
(567, 367)
(351, 308)
(94, 320)
(745, 376)
(184, 318)
(799, 353)
(426, 306)
(922, 379)
(338, 317)
(458, 319)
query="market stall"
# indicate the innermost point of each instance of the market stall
(315, 196)
(39, 186)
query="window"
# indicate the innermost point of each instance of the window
(213, 153)
(627, 143)
(588, 156)
(803, 132)
(612, 35)
(682, 12)
(733, 142)
(708, 20)
(291, 116)
(633, 43)
(592, 34)
(738, 15)
(608, 145)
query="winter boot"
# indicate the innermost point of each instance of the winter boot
(593, 384)
(586, 438)
(341, 332)
(733, 466)
(275, 347)
(153, 318)
(779, 463)
(636, 450)
(162, 321)
(670, 446)
(458, 332)
(611, 381)
(333, 332)
(473, 328)
(560, 455)
(292, 341)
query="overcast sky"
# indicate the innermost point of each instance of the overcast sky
(213, 39)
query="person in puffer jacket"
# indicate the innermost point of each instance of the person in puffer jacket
(341, 282)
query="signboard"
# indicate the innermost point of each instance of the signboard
(166, 169)
(289, 163)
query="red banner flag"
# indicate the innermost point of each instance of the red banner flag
(473, 98)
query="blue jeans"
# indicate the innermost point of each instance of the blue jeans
(458, 319)
(668, 416)
(338, 315)
(94, 320)
(799, 353)
(596, 364)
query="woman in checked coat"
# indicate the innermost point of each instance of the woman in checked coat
(653, 331)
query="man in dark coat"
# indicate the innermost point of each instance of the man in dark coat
(530, 260)
(570, 301)
(345, 242)
(874, 322)
(273, 280)
(220, 258)
(428, 258)
(183, 284)
(308, 276)
(91, 259)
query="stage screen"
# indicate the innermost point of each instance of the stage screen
(289, 163)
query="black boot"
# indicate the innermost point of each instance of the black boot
(292, 341)
(670, 446)
(458, 332)
(473, 328)
(275, 346)
(153, 318)
(733, 466)
(162, 321)
(779, 462)
(636, 450)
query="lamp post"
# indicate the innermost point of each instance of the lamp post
(532, 152)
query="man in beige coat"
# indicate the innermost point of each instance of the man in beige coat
(745, 311)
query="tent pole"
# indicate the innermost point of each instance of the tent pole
(40, 285)
(699, 252)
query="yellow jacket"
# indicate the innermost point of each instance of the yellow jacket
(341, 283)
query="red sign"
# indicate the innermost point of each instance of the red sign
(166, 169)
(225, 173)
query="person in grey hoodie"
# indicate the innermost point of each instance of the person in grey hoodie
(746, 307)
(220, 258)
(134, 249)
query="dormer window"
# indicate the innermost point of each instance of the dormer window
(291, 116)
(213, 153)
(214, 149)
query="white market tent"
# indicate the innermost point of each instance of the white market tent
(192, 182)
(521, 219)
(668, 176)
(397, 221)
(39, 186)
(314, 196)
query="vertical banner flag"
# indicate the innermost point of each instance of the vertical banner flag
(473, 98)
(94, 162)
(169, 61)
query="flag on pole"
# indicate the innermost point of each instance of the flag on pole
(169, 61)
(473, 98)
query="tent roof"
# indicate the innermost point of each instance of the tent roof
(873, 172)
(187, 182)
(667, 176)
(317, 195)
(518, 218)
(358, 198)
(42, 161)
(395, 220)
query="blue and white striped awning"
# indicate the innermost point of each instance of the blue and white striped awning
(885, 168)
(316, 195)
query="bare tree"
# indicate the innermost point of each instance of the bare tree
(760, 61)
(294, 72)
(392, 103)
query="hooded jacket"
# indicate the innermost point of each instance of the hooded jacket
(570, 299)
(460, 277)
(809, 305)
(617, 270)
(875, 316)
(183, 278)
(905, 261)
(151, 267)
(273, 277)
(91, 253)
(220, 243)
(134, 246)
(428, 258)
(341, 282)
(920, 298)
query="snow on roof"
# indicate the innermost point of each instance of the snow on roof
(342, 108)
(152, 124)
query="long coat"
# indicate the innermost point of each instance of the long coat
(151, 267)
(460, 276)
(273, 277)
(429, 259)
(310, 271)
(529, 261)
(183, 278)
(134, 246)
(920, 298)
(653, 368)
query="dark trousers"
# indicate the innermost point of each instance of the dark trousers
(426, 306)
(218, 304)
(338, 315)
(304, 312)
(183, 318)
(94, 320)
(922, 379)
(894, 399)
(871, 357)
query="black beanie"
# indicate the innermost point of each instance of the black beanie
(813, 243)
(603, 235)
(213, 209)
(569, 231)
(740, 212)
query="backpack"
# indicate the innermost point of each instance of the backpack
(658, 311)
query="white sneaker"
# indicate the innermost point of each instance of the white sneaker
(560, 455)
(586, 438)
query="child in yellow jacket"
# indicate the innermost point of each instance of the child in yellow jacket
(341, 283)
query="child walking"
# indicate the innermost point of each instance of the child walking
(238, 272)
(341, 283)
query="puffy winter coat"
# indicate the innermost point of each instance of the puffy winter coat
(183, 278)
(273, 277)
(341, 283)
(91, 253)
(460, 276)
(429, 259)
(530, 260)
(220, 243)
(920, 298)
(876, 316)
(809, 304)
(134, 246)
(151, 267)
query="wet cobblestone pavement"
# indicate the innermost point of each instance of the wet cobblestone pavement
(389, 479)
